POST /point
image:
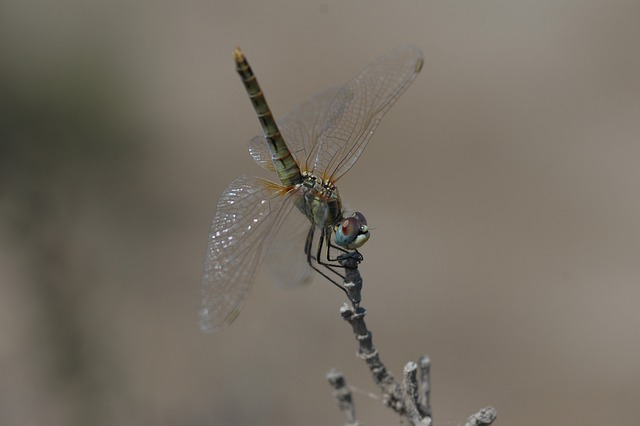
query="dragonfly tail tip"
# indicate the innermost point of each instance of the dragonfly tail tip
(238, 56)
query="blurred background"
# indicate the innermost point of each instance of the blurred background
(502, 189)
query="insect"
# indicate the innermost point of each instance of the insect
(309, 150)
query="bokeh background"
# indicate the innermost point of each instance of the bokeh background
(503, 189)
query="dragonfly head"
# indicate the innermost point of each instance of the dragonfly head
(352, 232)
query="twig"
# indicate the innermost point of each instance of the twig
(410, 391)
(342, 394)
(352, 278)
(424, 392)
(411, 399)
(484, 417)
(391, 392)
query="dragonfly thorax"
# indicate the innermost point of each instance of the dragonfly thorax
(319, 200)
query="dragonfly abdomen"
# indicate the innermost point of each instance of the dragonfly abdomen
(284, 163)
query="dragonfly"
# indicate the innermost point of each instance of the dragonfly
(310, 149)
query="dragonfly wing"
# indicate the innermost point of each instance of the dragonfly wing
(300, 129)
(359, 106)
(286, 258)
(259, 150)
(249, 213)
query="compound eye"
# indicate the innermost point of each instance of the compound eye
(350, 227)
(360, 217)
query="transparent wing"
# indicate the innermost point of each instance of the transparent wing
(300, 129)
(286, 258)
(259, 150)
(249, 213)
(359, 106)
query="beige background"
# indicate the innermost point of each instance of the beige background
(503, 189)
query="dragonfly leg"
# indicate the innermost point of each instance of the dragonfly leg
(330, 263)
(330, 245)
(311, 260)
(348, 260)
(354, 255)
(309, 243)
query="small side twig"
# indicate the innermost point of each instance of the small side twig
(410, 391)
(342, 394)
(484, 417)
(424, 391)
